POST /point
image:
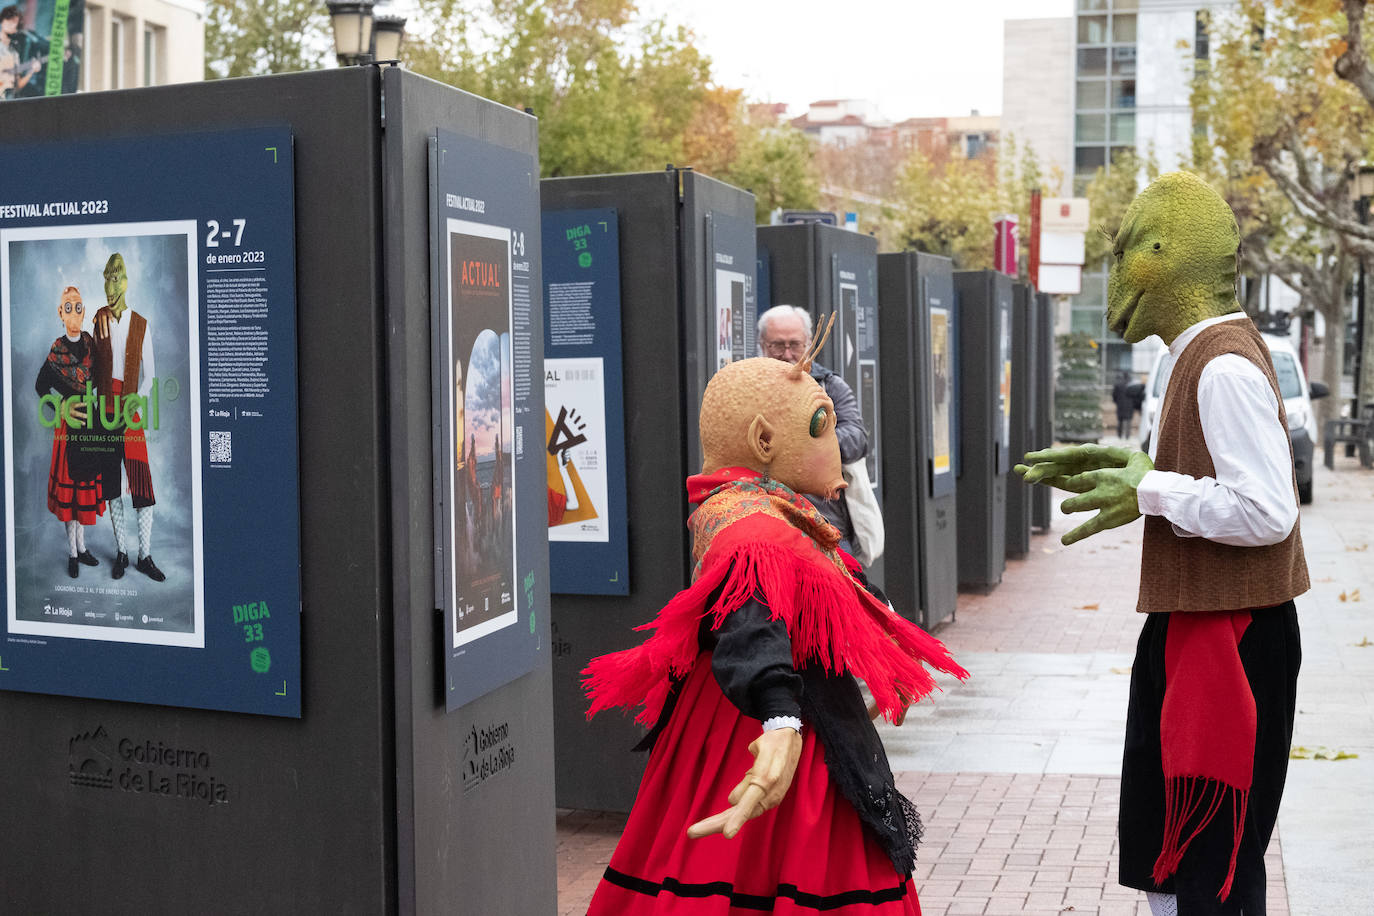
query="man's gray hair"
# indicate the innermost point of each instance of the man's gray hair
(778, 311)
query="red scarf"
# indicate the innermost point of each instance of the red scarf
(754, 536)
(1207, 733)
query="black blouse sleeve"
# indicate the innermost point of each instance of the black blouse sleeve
(751, 658)
(49, 379)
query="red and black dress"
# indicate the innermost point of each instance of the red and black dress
(74, 474)
(774, 624)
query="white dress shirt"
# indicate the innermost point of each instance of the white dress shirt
(119, 342)
(1250, 502)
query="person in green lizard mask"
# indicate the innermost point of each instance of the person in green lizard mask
(123, 364)
(1213, 687)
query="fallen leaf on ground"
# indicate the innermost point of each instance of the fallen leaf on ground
(1121, 671)
(1085, 607)
(1298, 752)
(1360, 549)
(1353, 596)
(1363, 644)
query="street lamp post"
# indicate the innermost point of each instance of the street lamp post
(360, 37)
(1361, 192)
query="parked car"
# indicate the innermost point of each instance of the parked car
(1297, 403)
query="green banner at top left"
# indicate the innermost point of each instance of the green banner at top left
(42, 43)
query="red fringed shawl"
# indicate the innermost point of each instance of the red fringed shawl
(754, 536)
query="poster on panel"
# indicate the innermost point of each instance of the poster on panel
(42, 43)
(940, 387)
(584, 421)
(482, 479)
(731, 290)
(151, 478)
(486, 292)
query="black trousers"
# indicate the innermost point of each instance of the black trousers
(1270, 652)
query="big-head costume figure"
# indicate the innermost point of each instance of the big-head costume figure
(751, 671)
(123, 366)
(1214, 682)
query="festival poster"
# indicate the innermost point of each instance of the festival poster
(150, 550)
(42, 43)
(940, 389)
(575, 423)
(847, 344)
(482, 472)
(1004, 378)
(102, 409)
(867, 395)
(730, 295)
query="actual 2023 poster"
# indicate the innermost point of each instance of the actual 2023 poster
(151, 542)
(102, 433)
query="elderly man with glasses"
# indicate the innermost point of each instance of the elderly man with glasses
(785, 334)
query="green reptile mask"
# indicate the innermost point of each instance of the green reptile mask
(1175, 265)
(1175, 260)
(116, 283)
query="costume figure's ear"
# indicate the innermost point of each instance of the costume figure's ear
(761, 440)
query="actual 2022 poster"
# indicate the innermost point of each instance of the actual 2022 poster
(151, 539)
(482, 477)
(488, 403)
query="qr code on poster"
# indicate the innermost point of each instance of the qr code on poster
(221, 447)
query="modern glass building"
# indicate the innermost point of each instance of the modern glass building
(1104, 124)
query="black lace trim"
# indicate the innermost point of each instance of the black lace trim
(764, 904)
(858, 765)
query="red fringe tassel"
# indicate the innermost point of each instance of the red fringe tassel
(830, 618)
(1184, 798)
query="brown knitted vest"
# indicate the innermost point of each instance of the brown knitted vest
(1195, 574)
(103, 361)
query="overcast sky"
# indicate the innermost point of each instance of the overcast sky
(913, 58)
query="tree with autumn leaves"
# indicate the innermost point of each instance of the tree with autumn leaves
(613, 92)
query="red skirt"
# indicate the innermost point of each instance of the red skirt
(71, 500)
(808, 855)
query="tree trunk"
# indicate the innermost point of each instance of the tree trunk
(1333, 360)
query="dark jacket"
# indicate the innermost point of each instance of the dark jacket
(853, 436)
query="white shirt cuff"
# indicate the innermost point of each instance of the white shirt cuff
(1149, 493)
(778, 722)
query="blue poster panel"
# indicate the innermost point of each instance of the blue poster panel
(584, 404)
(488, 421)
(41, 46)
(151, 475)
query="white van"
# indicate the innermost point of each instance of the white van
(1297, 403)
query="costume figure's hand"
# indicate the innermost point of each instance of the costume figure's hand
(1110, 490)
(102, 325)
(1054, 466)
(78, 412)
(775, 761)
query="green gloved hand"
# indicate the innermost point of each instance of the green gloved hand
(1105, 476)
(1054, 465)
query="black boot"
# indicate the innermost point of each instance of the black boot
(146, 566)
(73, 567)
(121, 563)
(88, 558)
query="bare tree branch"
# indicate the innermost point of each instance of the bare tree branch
(1314, 202)
(1353, 64)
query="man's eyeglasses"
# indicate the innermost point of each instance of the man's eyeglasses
(780, 347)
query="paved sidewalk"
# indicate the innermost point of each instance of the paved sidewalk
(1016, 771)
